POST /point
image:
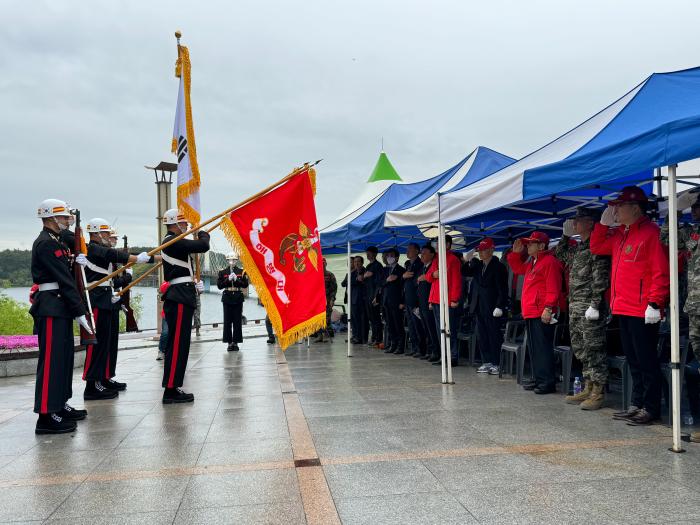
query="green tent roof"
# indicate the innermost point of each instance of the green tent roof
(383, 170)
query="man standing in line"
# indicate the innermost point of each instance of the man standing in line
(589, 279)
(414, 268)
(357, 301)
(489, 302)
(392, 299)
(432, 352)
(639, 289)
(331, 288)
(540, 297)
(180, 302)
(233, 281)
(372, 279)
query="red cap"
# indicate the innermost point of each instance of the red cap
(630, 194)
(536, 237)
(485, 244)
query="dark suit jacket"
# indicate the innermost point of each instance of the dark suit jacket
(392, 293)
(490, 287)
(358, 288)
(424, 288)
(223, 282)
(410, 285)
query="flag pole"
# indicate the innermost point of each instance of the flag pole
(181, 236)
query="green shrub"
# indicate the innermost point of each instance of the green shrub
(14, 317)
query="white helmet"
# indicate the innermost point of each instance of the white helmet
(231, 256)
(173, 216)
(53, 208)
(97, 225)
(113, 233)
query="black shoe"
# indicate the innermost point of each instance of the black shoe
(54, 424)
(437, 363)
(424, 357)
(626, 415)
(410, 354)
(642, 418)
(529, 386)
(95, 390)
(271, 341)
(114, 385)
(389, 351)
(455, 362)
(544, 390)
(176, 395)
(433, 359)
(399, 352)
(72, 414)
(235, 348)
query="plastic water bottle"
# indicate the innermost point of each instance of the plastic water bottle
(577, 385)
(688, 419)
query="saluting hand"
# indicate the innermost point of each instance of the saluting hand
(518, 246)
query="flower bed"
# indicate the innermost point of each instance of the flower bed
(14, 342)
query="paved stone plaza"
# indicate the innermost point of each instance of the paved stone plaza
(311, 436)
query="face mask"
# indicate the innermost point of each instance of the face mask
(61, 225)
(390, 260)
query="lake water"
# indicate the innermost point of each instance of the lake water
(212, 310)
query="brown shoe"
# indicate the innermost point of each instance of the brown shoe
(595, 400)
(643, 418)
(581, 396)
(695, 437)
(626, 414)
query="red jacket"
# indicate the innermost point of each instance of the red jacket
(454, 280)
(639, 273)
(543, 282)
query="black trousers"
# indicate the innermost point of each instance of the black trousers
(375, 321)
(360, 323)
(179, 317)
(394, 323)
(54, 371)
(113, 346)
(488, 329)
(233, 323)
(97, 356)
(430, 329)
(415, 331)
(455, 315)
(540, 343)
(639, 345)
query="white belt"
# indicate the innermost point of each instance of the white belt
(106, 284)
(180, 280)
(233, 289)
(45, 287)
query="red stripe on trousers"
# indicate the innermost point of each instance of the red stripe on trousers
(88, 350)
(47, 367)
(176, 347)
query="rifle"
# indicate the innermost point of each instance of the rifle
(131, 325)
(80, 283)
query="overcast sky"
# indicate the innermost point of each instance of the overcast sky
(88, 95)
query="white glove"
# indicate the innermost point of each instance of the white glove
(686, 200)
(652, 315)
(82, 321)
(199, 286)
(81, 259)
(608, 216)
(115, 298)
(592, 314)
(569, 230)
(497, 312)
(232, 277)
(143, 257)
(129, 271)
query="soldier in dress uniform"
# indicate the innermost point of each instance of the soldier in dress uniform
(179, 304)
(233, 281)
(589, 279)
(118, 282)
(56, 303)
(330, 285)
(101, 258)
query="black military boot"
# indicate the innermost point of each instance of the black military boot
(95, 390)
(72, 414)
(176, 395)
(54, 424)
(114, 385)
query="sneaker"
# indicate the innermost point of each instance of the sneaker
(95, 390)
(160, 356)
(114, 385)
(484, 369)
(494, 371)
(54, 424)
(176, 395)
(72, 414)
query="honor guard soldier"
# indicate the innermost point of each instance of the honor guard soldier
(56, 303)
(100, 260)
(180, 302)
(233, 282)
(118, 282)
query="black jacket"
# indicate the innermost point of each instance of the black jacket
(223, 282)
(184, 293)
(51, 263)
(424, 288)
(374, 283)
(410, 285)
(489, 287)
(98, 255)
(392, 292)
(358, 288)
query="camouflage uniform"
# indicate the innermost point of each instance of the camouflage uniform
(589, 278)
(689, 278)
(331, 290)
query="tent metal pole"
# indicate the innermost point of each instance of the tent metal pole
(442, 272)
(349, 289)
(658, 184)
(675, 314)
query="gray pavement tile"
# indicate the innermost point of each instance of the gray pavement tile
(357, 444)
(114, 498)
(259, 451)
(32, 502)
(241, 488)
(78, 440)
(284, 513)
(142, 518)
(18, 444)
(382, 478)
(150, 458)
(417, 509)
(47, 463)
